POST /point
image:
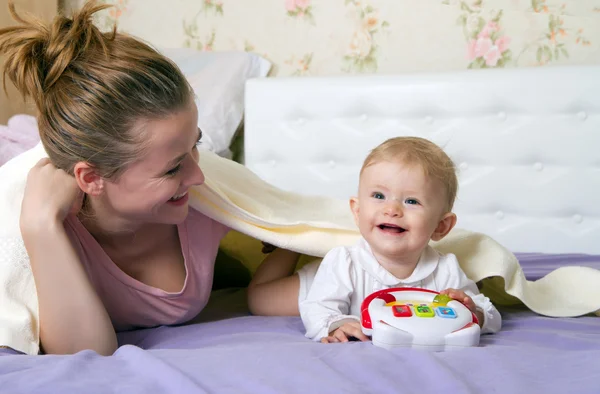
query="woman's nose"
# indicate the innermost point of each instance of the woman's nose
(194, 175)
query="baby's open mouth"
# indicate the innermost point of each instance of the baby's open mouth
(392, 228)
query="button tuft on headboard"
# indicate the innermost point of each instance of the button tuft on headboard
(582, 115)
(577, 219)
(502, 116)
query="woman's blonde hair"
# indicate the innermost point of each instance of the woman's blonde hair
(90, 88)
(422, 152)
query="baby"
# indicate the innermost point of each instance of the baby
(405, 197)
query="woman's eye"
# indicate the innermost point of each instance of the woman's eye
(411, 201)
(378, 196)
(173, 170)
(199, 141)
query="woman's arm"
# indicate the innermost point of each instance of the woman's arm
(72, 316)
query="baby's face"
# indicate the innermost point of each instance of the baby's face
(398, 209)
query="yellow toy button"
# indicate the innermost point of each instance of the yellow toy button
(442, 299)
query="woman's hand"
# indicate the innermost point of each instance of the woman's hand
(50, 194)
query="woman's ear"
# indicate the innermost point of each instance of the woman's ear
(88, 179)
(446, 224)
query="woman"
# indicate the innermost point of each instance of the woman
(105, 219)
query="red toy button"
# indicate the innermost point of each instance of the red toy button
(401, 311)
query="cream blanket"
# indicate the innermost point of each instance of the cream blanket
(310, 225)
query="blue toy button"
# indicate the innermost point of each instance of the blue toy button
(444, 311)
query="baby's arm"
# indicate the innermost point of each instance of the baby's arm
(489, 317)
(327, 305)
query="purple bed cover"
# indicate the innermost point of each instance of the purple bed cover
(248, 354)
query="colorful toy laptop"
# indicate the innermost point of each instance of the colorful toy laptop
(418, 318)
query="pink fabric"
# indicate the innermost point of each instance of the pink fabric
(131, 303)
(19, 135)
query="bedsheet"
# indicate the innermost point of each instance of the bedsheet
(227, 351)
(17, 136)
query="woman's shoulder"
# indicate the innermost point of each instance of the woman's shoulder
(198, 223)
(75, 230)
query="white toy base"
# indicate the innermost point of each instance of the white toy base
(388, 337)
(418, 318)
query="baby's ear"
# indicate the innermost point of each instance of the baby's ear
(446, 224)
(354, 208)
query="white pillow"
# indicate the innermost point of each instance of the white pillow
(218, 80)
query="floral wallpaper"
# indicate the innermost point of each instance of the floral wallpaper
(332, 37)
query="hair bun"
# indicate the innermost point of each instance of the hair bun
(37, 53)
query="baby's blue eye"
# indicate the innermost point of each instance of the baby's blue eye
(378, 196)
(411, 201)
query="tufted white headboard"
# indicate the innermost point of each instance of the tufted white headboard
(526, 143)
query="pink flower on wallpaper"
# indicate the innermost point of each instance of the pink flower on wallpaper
(485, 48)
(492, 56)
(502, 43)
(300, 9)
(482, 46)
(293, 5)
(471, 50)
(488, 29)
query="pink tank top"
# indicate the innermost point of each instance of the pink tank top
(131, 303)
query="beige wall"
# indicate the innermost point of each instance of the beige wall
(13, 104)
(333, 37)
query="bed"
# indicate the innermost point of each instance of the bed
(525, 144)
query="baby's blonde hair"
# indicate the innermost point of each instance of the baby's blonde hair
(419, 151)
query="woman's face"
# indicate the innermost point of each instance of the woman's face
(154, 189)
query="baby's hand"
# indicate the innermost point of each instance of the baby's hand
(344, 332)
(460, 295)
